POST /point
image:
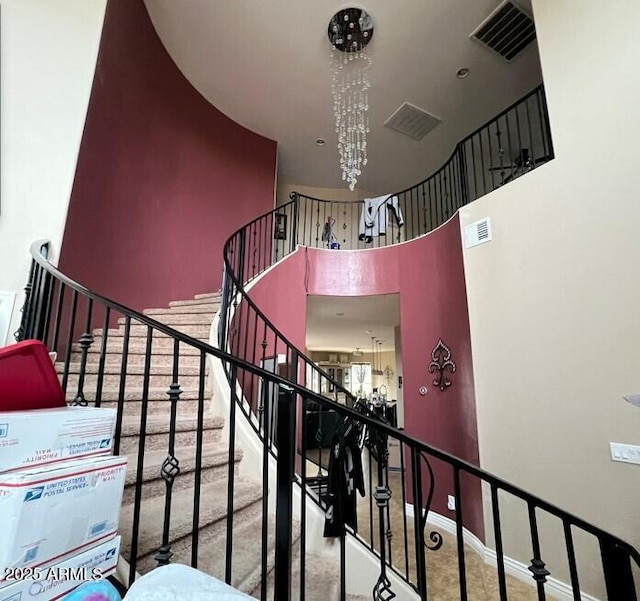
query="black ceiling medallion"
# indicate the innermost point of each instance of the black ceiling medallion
(441, 362)
(350, 29)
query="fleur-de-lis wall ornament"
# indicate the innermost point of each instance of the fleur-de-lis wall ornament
(441, 362)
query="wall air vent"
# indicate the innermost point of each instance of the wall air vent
(412, 121)
(507, 31)
(477, 233)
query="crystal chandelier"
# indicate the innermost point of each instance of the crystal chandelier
(350, 30)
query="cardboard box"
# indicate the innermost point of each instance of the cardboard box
(43, 436)
(56, 580)
(50, 511)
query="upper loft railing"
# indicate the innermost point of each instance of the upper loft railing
(511, 144)
(514, 142)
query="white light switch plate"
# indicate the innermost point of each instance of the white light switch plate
(626, 453)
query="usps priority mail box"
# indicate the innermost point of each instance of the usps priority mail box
(43, 436)
(56, 580)
(50, 511)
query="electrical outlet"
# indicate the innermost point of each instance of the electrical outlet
(451, 502)
(626, 453)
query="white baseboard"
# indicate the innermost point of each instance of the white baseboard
(556, 588)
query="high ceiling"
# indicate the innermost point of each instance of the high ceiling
(265, 64)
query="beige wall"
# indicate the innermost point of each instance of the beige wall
(554, 299)
(49, 52)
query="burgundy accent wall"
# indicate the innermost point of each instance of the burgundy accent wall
(163, 178)
(428, 275)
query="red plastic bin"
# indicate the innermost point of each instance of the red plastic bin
(28, 379)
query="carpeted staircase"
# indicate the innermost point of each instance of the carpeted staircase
(193, 317)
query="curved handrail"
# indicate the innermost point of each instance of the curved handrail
(380, 426)
(245, 336)
(251, 250)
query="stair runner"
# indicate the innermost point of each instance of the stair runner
(193, 317)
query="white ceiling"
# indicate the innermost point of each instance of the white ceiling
(329, 331)
(265, 64)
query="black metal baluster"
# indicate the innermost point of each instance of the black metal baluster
(571, 556)
(497, 529)
(532, 153)
(195, 533)
(137, 503)
(103, 356)
(294, 225)
(303, 500)
(86, 340)
(170, 469)
(21, 333)
(519, 134)
(618, 576)
(441, 219)
(418, 530)
(500, 153)
(382, 589)
(304, 224)
(34, 296)
(49, 288)
(370, 489)
(285, 437)
(231, 471)
(404, 512)
(72, 325)
(462, 571)
(123, 383)
(57, 324)
(266, 387)
(537, 567)
(491, 158)
(546, 124)
(473, 194)
(389, 531)
(512, 157)
(482, 167)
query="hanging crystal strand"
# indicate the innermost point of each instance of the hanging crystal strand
(349, 86)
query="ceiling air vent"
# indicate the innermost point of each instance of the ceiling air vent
(477, 233)
(412, 121)
(507, 31)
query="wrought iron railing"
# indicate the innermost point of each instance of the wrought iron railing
(513, 143)
(159, 383)
(174, 509)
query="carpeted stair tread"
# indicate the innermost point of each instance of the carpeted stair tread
(322, 578)
(159, 424)
(199, 332)
(205, 308)
(115, 358)
(212, 455)
(247, 554)
(137, 346)
(198, 302)
(180, 319)
(207, 295)
(132, 369)
(211, 510)
(131, 393)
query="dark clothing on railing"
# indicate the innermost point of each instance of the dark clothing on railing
(345, 477)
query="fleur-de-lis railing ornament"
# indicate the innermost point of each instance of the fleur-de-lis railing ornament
(440, 363)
